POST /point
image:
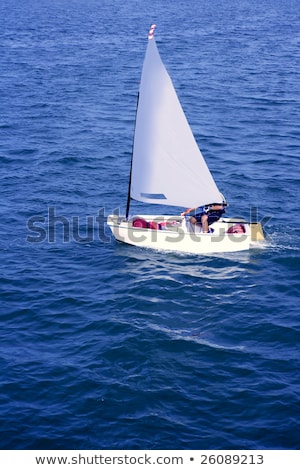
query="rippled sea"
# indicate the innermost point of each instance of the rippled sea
(107, 346)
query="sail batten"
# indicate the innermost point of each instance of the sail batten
(167, 165)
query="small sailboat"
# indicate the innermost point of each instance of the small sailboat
(168, 168)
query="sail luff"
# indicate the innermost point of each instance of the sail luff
(167, 164)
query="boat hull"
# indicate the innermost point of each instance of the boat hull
(173, 233)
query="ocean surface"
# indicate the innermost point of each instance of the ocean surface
(108, 346)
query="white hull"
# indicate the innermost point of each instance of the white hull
(176, 234)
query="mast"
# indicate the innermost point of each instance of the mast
(130, 174)
(150, 36)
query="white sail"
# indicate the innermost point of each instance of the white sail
(167, 166)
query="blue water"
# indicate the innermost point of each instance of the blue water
(107, 346)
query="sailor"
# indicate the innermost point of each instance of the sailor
(206, 215)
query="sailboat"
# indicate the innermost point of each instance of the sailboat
(168, 168)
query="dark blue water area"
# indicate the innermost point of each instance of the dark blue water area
(108, 346)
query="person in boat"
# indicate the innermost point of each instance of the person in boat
(205, 215)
